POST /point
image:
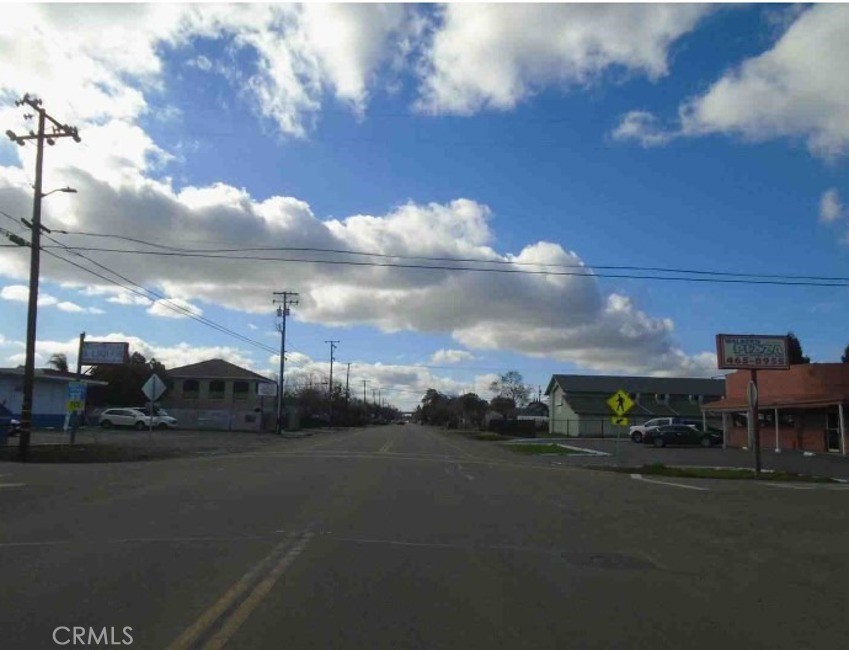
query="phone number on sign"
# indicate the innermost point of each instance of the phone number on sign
(754, 348)
(755, 361)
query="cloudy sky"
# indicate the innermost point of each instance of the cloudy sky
(454, 191)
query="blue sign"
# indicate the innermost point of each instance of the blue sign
(76, 391)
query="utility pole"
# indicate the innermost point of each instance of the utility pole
(58, 130)
(347, 392)
(365, 404)
(289, 298)
(330, 383)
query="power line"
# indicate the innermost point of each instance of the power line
(343, 251)
(146, 293)
(836, 282)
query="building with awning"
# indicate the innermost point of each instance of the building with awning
(49, 396)
(803, 407)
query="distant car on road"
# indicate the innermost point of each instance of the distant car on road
(638, 431)
(133, 417)
(680, 434)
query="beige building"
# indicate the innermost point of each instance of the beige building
(217, 394)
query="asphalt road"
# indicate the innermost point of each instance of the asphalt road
(410, 537)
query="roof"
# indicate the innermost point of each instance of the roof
(44, 374)
(215, 369)
(609, 384)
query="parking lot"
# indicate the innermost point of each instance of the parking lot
(625, 452)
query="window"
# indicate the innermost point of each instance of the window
(240, 390)
(190, 389)
(216, 389)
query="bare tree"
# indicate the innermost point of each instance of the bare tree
(512, 386)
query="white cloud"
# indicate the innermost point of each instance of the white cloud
(831, 209)
(174, 308)
(643, 127)
(20, 293)
(519, 312)
(16, 292)
(77, 309)
(496, 55)
(451, 356)
(111, 58)
(796, 89)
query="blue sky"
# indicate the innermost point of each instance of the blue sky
(677, 136)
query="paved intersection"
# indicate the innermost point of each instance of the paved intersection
(410, 537)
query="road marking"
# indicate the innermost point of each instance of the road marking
(787, 486)
(5, 485)
(639, 477)
(206, 620)
(385, 448)
(234, 622)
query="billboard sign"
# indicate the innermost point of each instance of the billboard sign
(101, 353)
(266, 389)
(752, 352)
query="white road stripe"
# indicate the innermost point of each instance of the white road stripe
(5, 485)
(787, 486)
(639, 477)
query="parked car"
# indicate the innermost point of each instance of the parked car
(638, 430)
(680, 434)
(134, 417)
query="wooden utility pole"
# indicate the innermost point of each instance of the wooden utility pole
(57, 131)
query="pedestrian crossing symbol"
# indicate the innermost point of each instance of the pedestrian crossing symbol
(620, 403)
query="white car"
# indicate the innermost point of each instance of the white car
(133, 417)
(637, 431)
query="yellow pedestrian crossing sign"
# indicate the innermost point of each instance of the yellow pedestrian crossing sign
(620, 402)
(619, 421)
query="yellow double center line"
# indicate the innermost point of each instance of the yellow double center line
(262, 578)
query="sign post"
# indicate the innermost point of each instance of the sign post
(620, 403)
(752, 352)
(754, 418)
(75, 406)
(153, 389)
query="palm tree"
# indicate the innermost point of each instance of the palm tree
(59, 362)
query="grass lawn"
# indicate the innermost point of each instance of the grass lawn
(90, 453)
(733, 473)
(491, 436)
(543, 448)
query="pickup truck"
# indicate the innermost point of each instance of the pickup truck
(637, 431)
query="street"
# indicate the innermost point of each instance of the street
(413, 537)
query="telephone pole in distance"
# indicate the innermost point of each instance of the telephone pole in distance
(333, 345)
(288, 299)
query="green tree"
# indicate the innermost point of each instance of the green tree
(794, 350)
(845, 357)
(435, 407)
(58, 361)
(511, 385)
(125, 381)
(503, 405)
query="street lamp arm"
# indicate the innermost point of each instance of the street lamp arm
(66, 190)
